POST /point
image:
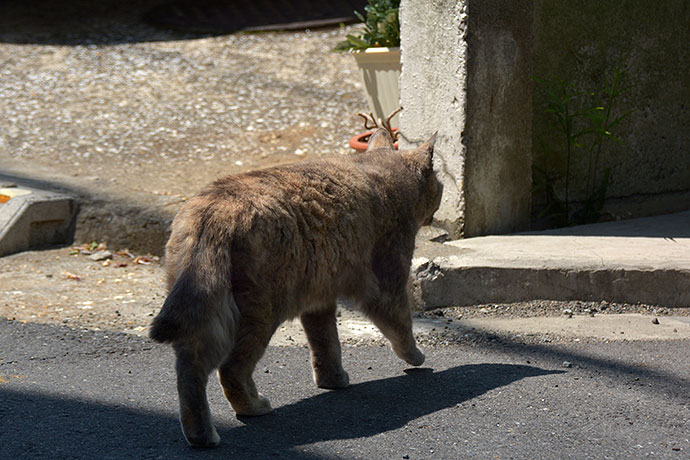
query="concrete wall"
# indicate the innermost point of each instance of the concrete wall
(465, 74)
(432, 93)
(583, 41)
(499, 105)
(467, 68)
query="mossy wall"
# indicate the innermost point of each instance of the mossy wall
(583, 41)
(467, 68)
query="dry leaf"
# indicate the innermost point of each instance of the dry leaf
(126, 253)
(71, 276)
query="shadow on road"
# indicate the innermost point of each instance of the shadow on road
(50, 427)
(644, 368)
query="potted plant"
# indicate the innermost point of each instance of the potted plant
(376, 49)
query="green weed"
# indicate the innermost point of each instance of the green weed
(582, 123)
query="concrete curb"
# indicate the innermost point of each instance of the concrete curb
(441, 283)
(34, 219)
(631, 268)
(142, 227)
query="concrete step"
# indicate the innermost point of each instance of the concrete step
(643, 260)
(32, 218)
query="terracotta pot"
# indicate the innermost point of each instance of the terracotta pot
(360, 142)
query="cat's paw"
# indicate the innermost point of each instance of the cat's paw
(204, 438)
(332, 380)
(256, 407)
(414, 356)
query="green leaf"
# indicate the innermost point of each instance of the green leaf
(357, 42)
(381, 26)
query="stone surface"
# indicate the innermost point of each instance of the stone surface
(101, 255)
(466, 69)
(498, 171)
(467, 73)
(36, 219)
(584, 41)
(640, 260)
(433, 98)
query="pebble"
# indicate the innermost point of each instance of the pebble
(655, 321)
(101, 255)
(567, 364)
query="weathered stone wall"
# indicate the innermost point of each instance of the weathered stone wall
(583, 41)
(465, 74)
(499, 105)
(432, 93)
(467, 69)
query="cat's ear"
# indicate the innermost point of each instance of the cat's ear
(422, 157)
(380, 139)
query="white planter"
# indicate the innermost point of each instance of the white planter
(380, 70)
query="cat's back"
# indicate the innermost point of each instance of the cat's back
(323, 187)
(312, 199)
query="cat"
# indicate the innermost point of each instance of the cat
(253, 250)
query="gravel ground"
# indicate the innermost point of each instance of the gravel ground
(123, 293)
(93, 92)
(543, 308)
(453, 325)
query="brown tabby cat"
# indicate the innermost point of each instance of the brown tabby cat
(253, 250)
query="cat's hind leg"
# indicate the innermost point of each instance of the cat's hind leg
(235, 373)
(322, 335)
(394, 319)
(196, 356)
(195, 415)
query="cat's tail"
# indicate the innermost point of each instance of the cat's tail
(200, 306)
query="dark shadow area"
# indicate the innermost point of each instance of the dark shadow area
(623, 368)
(225, 16)
(146, 218)
(378, 406)
(110, 22)
(670, 226)
(49, 427)
(11, 179)
(80, 22)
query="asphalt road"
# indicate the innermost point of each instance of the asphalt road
(68, 394)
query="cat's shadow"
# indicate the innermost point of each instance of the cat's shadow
(373, 407)
(53, 426)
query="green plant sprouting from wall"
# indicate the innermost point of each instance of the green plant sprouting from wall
(584, 122)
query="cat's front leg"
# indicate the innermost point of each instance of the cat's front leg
(394, 320)
(322, 335)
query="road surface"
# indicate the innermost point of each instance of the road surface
(67, 394)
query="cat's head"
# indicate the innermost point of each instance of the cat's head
(420, 162)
